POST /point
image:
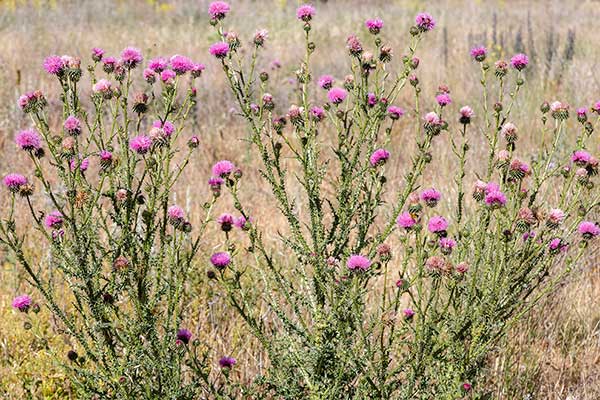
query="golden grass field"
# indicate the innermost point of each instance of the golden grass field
(552, 354)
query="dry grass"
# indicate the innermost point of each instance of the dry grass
(555, 353)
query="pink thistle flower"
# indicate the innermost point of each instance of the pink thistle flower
(305, 12)
(325, 82)
(379, 157)
(106, 158)
(181, 64)
(581, 114)
(354, 46)
(443, 99)
(466, 386)
(425, 22)
(556, 216)
(509, 132)
(374, 25)
(519, 61)
(131, 57)
(588, 229)
(218, 10)
(219, 49)
(72, 126)
(197, 70)
(53, 220)
(495, 199)
(149, 76)
(317, 113)
(97, 54)
(466, 113)
(438, 264)
(226, 221)
(479, 53)
(395, 112)
(447, 245)
(158, 64)
(102, 86)
(336, 95)
(359, 262)
(140, 144)
(371, 99)
(431, 197)
(22, 303)
(29, 140)
(556, 245)
(408, 313)
(405, 220)
(220, 260)
(168, 77)
(596, 107)
(462, 267)
(432, 118)
(242, 222)
(14, 182)
(109, 64)
(581, 158)
(227, 362)
(167, 127)
(176, 215)
(437, 224)
(54, 65)
(222, 168)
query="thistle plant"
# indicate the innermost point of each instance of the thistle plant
(382, 293)
(117, 241)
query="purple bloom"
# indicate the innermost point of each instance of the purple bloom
(53, 220)
(479, 53)
(197, 69)
(109, 64)
(131, 57)
(447, 244)
(325, 82)
(588, 229)
(437, 224)
(425, 22)
(495, 199)
(97, 54)
(219, 49)
(184, 335)
(356, 261)
(443, 99)
(218, 9)
(336, 95)
(431, 197)
(374, 25)
(581, 157)
(102, 86)
(305, 12)
(519, 61)
(72, 126)
(158, 64)
(408, 313)
(223, 168)
(406, 220)
(371, 99)
(140, 144)
(379, 157)
(317, 113)
(466, 113)
(596, 107)
(220, 260)
(226, 221)
(181, 64)
(14, 182)
(176, 214)
(54, 65)
(29, 140)
(168, 127)
(149, 76)
(242, 222)
(83, 163)
(22, 303)
(395, 112)
(227, 362)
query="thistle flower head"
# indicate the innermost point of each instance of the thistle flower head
(425, 22)
(102, 86)
(337, 95)
(140, 144)
(219, 49)
(72, 126)
(97, 54)
(395, 112)
(325, 82)
(495, 199)
(223, 168)
(22, 303)
(466, 113)
(305, 12)
(220, 260)
(443, 99)
(581, 158)
(588, 229)
(227, 362)
(226, 221)
(158, 64)
(14, 182)
(519, 61)
(184, 335)
(53, 220)
(379, 157)
(54, 65)
(431, 197)
(131, 57)
(218, 10)
(374, 25)
(437, 224)
(358, 262)
(479, 53)
(29, 140)
(406, 220)
(181, 64)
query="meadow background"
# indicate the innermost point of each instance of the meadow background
(552, 354)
